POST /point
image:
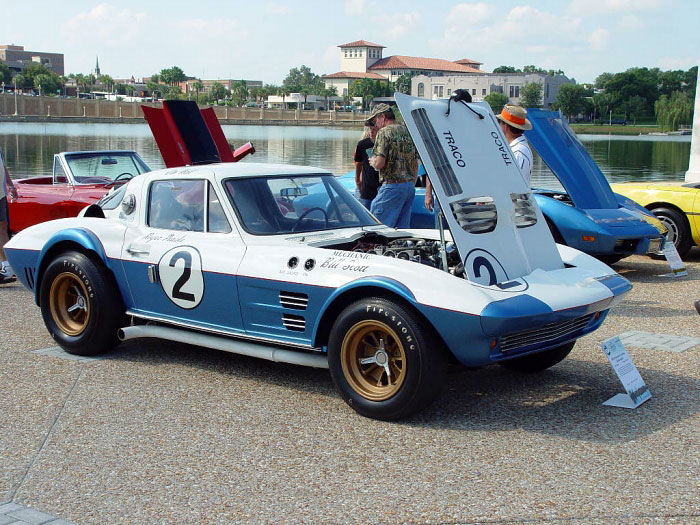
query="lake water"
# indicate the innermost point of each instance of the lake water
(29, 148)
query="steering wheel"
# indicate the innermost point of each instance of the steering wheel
(303, 216)
(126, 176)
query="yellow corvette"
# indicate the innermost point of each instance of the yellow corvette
(676, 204)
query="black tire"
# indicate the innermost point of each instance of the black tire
(678, 229)
(539, 361)
(610, 259)
(398, 340)
(555, 232)
(81, 305)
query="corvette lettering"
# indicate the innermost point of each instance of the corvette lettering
(454, 149)
(505, 155)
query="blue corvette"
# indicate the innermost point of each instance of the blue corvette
(587, 215)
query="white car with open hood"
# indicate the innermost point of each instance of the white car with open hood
(281, 262)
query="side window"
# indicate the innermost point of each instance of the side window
(177, 205)
(216, 219)
(59, 176)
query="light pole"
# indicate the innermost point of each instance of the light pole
(610, 123)
(15, 79)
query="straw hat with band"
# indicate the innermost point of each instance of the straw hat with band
(515, 116)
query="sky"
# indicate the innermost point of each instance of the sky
(263, 40)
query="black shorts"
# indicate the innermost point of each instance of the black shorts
(4, 217)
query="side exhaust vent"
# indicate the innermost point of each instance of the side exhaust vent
(29, 274)
(295, 323)
(295, 301)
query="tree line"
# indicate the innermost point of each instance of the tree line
(638, 93)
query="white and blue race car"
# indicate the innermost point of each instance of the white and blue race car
(229, 256)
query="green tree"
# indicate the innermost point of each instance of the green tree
(328, 92)
(506, 69)
(602, 104)
(690, 81)
(673, 111)
(403, 83)
(571, 99)
(531, 95)
(239, 92)
(217, 92)
(172, 76)
(635, 81)
(533, 69)
(35, 75)
(634, 107)
(5, 73)
(106, 81)
(496, 100)
(602, 79)
(198, 88)
(368, 89)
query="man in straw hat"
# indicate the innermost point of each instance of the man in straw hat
(396, 159)
(513, 123)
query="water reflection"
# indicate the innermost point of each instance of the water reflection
(29, 148)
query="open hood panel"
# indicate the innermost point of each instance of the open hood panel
(561, 150)
(499, 230)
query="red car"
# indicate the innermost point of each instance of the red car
(79, 178)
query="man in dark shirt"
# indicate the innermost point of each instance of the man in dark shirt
(366, 177)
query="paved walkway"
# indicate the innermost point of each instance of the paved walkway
(15, 514)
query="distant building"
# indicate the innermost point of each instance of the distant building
(481, 85)
(17, 59)
(296, 101)
(363, 59)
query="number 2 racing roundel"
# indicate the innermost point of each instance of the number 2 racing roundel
(180, 272)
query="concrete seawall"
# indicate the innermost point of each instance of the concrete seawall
(25, 108)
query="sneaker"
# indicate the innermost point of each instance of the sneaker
(7, 279)
(6, 271)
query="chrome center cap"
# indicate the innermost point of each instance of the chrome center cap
(381, 358)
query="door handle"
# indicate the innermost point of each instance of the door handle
(139, 249)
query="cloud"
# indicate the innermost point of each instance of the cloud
(401, 25)
(599, 38)
(602, 7)
(631, 23)
(111, 25)
(354, 7)
(275, 9)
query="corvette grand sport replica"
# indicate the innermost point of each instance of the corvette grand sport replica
(79, 178)
(282, 263)
(675, 204)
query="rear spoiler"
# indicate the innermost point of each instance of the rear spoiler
(187, 135)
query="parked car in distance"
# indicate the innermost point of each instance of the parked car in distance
(675, 204)
(618, 122)
(79, 178)
(282, 263)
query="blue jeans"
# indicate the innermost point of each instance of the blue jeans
(393, 203)
(367, 203)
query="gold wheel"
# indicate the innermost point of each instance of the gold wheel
(373, 360)
(68, 302)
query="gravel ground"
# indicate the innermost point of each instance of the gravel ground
(166, 433)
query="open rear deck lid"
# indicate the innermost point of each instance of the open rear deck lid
(499, 230)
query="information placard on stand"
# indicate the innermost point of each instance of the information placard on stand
(674, 260)
(636, 391)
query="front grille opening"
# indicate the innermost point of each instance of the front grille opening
(29, 275)
(476, 214)
(544, 334)
(626, 245)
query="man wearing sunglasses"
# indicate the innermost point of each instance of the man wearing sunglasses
(395, 158)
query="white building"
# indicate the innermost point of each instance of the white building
(296, 101)
(362, 59)
(481, 85)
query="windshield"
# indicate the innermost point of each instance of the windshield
(276, 205)
(106, 167)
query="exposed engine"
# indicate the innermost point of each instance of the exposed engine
(423, 251)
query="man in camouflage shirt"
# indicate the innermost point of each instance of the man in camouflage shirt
(395, 157)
